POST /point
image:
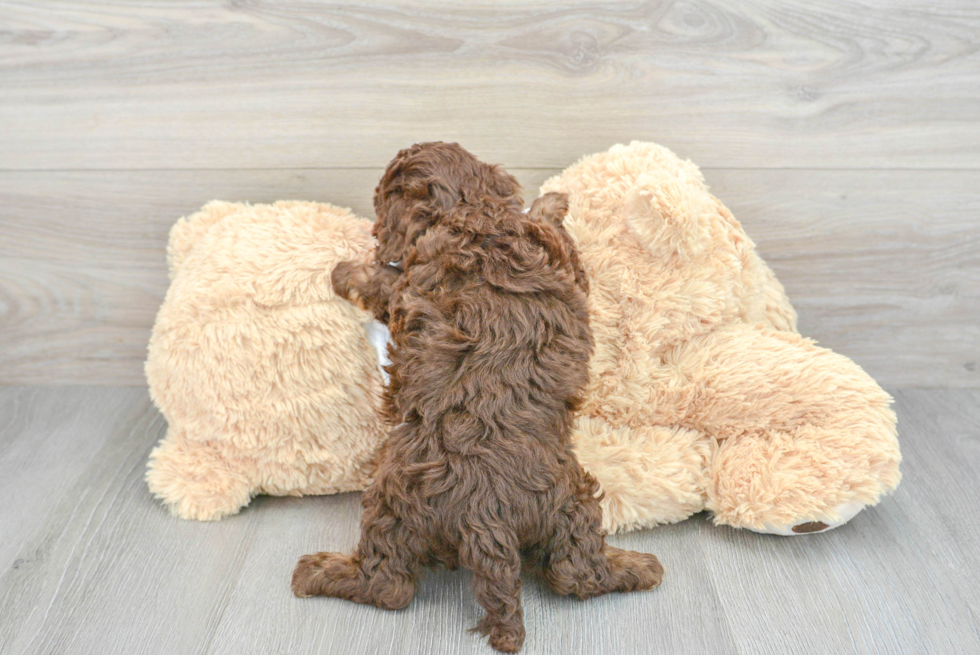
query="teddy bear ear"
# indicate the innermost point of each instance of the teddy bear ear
(669, 217)
(189, 230)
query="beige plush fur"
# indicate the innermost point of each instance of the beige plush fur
(702, 394)
(267, 380)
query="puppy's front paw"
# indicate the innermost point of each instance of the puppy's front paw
(551, 207)
(347, 277)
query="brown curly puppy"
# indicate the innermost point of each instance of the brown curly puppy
(487, 312)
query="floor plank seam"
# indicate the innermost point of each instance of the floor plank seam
(714, 587)
(515, 167)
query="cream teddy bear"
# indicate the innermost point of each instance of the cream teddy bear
(268, 380)
(702, 393)
(702, 397)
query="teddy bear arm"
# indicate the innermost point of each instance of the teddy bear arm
(198, 480)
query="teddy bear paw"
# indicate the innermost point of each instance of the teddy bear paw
(195, 481)
(845, 512)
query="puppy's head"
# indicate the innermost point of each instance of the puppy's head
(423, 184)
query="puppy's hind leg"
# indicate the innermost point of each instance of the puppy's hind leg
(382, 572)
(581, 564)
(492, 554)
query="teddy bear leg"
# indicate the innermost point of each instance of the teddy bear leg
(791, 485)
(195, 481)
(845, 512)
(802, 437)
(649, 475)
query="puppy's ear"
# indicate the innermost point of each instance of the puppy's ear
(442, 196)
(504, 184)
(432, 191)
(551, 208)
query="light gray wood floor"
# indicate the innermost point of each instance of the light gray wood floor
(91, 563)
(843, 134)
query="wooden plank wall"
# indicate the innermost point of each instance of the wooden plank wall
(844, 135)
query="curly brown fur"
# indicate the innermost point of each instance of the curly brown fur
(487, 312)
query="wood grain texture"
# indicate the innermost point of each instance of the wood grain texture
(900, 578)
(883, 266)
(105, 569)
(45, 450)
(844, 134)
(99, 574)
(444, 608)
(83, 259)
(124, 85)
